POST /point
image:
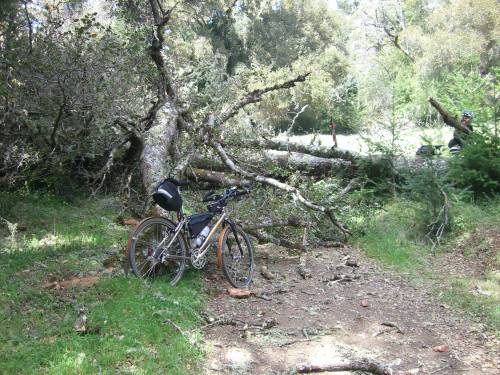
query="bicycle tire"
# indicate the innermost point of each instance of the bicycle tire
(141, 247)
(238, 266)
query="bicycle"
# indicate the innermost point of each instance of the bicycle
(159, 246)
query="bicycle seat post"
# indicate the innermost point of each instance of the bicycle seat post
(180, 214)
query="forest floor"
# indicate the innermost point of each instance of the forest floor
(350, 308)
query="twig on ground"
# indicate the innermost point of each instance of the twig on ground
(390, 324)
(186, 335)
(363, 365)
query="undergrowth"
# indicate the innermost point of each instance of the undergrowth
(49, 239)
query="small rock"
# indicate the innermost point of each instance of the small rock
(265, 272)
(440, 348)
(351, 263)
(239, 293)
(364, 303)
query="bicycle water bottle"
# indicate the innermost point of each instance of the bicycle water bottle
(202, 236)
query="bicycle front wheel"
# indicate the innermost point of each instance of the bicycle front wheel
(237, 257)
(149, 255)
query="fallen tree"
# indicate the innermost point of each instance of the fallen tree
(309, 164)
(283, 144)
(214, 177)
(159, 130)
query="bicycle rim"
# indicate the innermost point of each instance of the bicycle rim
(237, 263)
(143, 245)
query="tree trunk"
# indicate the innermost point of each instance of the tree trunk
(215, 178)
(312, 165)
(156, 158)
(283, 145)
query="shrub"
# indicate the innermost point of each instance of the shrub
(477, 167)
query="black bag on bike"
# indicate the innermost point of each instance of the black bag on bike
(167, 196)
(197, 222)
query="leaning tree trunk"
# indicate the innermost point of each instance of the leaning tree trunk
(158, 140)
(161, 122)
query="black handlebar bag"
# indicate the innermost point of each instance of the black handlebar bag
(167, 196)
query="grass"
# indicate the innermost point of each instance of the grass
(482, 308)
(55, 240)
(392, 236)
(389, 236)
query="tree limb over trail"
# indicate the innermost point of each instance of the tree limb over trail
(256, 96)
(280, 185)
(284, 145)
(448, 118)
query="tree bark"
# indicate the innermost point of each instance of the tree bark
(157, 140)
(161, 122)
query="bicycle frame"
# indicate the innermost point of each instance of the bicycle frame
(203, 248)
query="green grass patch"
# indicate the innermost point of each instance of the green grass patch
(388, 235)
(51, 239)
(464, 295)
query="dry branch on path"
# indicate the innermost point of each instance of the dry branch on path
(363, 365)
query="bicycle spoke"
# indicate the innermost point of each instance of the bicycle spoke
(143, 251)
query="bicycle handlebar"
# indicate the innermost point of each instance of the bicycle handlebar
(179, 182)
(229, 193)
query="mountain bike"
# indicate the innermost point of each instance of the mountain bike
(159, 247)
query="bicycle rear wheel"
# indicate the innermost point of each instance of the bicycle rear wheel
(237, 257)
(148, 254)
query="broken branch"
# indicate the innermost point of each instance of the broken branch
(255, 96)
(280, 185)
(364, 365)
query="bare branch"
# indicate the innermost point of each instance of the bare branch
(256, 96)
(292, 124)
(364, 365)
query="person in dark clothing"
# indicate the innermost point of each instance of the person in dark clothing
(333, 127)
(457, 142)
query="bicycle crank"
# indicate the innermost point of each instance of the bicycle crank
(197, 261)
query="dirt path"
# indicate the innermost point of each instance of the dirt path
(340, 313)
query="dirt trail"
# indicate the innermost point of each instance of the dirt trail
(343, 312)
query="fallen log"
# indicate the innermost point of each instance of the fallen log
(296, 194)
(215, 178)
(309, 164)
(282, 144)
(292, 221)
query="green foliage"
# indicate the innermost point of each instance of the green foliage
(468, 90)
(428, 185)
(477, 167)
(57, 240)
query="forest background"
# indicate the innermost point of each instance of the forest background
(101, 99)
